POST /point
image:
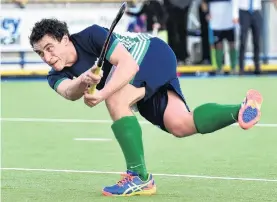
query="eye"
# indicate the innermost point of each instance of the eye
(40, 53)
(50, 48)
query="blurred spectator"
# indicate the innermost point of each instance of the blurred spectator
(204, 35)
(178, 11)
(20, 3)
(138, 24)
(248, 14)
(220, 16)
(153, 11)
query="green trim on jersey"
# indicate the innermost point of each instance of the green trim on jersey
(129, 39)
(110, 51)
(138, 52)
(58, 83)
(136, 43)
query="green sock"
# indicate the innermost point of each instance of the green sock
(211, 117)
(129, 136)
(233, 58)
(219, 58)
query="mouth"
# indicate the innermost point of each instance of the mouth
(52, 64)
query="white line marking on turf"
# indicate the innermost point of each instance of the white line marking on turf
(157, 174)
(92, 139)
(48, 120)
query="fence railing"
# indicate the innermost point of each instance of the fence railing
(22, 57)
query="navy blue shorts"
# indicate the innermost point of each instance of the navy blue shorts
(220, 35)
(158, 74)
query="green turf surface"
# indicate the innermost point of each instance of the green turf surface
(230, 152)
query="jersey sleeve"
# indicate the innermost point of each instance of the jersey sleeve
(97, 38)
(55, 78)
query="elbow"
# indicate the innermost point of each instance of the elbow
(70, 98)
(133, 63)
(73, 98)
(136, 69)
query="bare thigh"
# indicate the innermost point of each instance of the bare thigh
(177, 119)
(119, 104)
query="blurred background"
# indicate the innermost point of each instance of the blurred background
(154, 16)
(52, 149)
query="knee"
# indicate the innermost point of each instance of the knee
(116, 105)
(117, 108)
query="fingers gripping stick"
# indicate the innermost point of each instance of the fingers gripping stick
(96, 71)
(103, 53)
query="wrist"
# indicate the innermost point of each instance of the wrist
(105, 93)
(81, 84)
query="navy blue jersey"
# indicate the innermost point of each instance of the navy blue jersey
(88, 44)
(156, 60)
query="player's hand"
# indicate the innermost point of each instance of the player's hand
(90, 78)
(92, 100)
(235, 20)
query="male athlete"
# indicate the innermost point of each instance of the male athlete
(139, 73)
(219, 13)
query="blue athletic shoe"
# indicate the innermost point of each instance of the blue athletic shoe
(131, 185)
(250, 111)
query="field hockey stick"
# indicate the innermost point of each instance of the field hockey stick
(100, 60)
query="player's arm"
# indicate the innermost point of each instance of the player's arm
(126, 69)
(126, 66)
(73, 89)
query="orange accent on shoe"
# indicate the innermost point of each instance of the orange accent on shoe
(254, 100)
(125, 178)
(106, 193)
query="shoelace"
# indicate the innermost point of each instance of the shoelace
(125, 178)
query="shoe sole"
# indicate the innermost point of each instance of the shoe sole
(146, 192)
(250, 113)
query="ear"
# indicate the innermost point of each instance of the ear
(65, 40)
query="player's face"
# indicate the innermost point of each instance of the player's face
(53, 52)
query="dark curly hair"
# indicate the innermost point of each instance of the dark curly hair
(52, 27)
